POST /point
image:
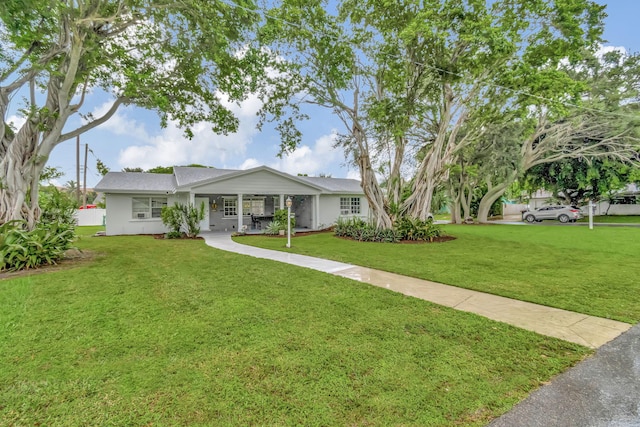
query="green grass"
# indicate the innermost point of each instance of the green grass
(176, 333)
(614, 219)
(574, 268)
(442, 217)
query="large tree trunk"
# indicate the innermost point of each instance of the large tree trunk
(465, 202)
(493, 193)
(440, 153)
(461, 194)
(395, 182)
(487, 201)
(418, 204)
(454, 204)
(455, 190)
(24, 154)
(20, 169)
(370, 186)
(373, 193)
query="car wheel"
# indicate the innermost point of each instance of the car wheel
(563, 218)
(530, 218)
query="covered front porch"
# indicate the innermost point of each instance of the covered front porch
(253, 212)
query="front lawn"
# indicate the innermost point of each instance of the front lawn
(613, 219)
(165, 333)
(589, 271)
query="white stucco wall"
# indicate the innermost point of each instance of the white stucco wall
(330, 209)
(119, 215)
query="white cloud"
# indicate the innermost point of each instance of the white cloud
(119, 123)
(320, 158)
(599, 53)
(246, 109)
(602, 50)
(250, 164)
(16, 121)
(170, 147)
(353, 174)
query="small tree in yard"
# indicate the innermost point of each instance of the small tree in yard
(182, 220)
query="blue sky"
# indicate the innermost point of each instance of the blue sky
(134, 137)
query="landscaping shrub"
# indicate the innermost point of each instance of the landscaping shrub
(404, 229)
(21, 249)
(57, 207)
(273, 228)
(358, 229)
(280, 216)
(416, 229)
(182, 220)
(172, 219)
(54, 233)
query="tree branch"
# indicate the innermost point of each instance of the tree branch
(97, 122)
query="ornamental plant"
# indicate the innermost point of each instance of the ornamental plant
(182, 220)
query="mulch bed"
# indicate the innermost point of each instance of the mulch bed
(161, 236)
(72, 258)
(440, 239)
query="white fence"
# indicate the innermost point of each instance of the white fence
(603, 208)
(90, 216)
(513, 209)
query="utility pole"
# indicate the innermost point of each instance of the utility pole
(84, 197)
(78, 169)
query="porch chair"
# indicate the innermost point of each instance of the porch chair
(255, 223)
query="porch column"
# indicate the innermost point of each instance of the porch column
(240, 213)
(316, 212)
(192, 199)
(281, 201)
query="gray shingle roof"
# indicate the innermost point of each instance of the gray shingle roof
(334, 185)
(190, 175)
(184, 177)
(127, 182)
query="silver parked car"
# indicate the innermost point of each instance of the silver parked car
(561, 213)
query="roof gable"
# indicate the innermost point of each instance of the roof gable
(256, 180)
(186, 176)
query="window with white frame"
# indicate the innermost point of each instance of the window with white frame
(254, 207)
(230, 207)
(250, 206)
(147, 207)
(349, 205)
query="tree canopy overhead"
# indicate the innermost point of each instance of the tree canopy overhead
(417, 82)
(177, 58)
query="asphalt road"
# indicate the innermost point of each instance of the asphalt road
(601, 391)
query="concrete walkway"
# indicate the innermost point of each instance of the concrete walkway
(567, 325)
